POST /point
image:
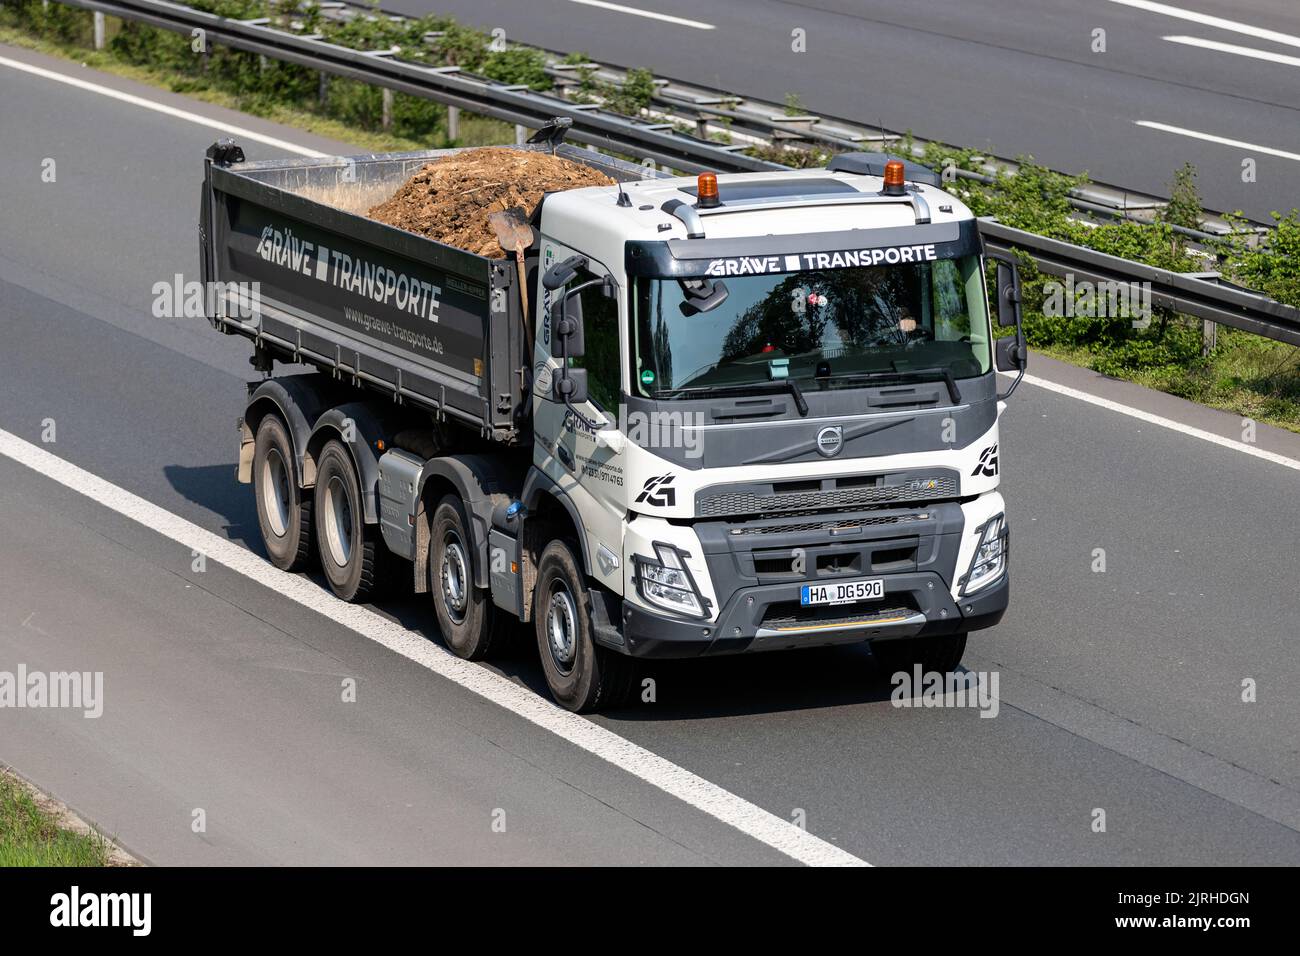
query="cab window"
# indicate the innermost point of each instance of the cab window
(600, 331)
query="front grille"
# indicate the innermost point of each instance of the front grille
(790, 616)
(830, 525)
(718, 504)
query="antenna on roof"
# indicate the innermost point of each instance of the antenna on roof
(623, 200)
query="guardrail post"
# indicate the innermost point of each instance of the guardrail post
(323, 88)
(453, 123)
(521, 135)
(99, 30)
(1209, 337)
(387, 120)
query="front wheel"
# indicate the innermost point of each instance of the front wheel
(941, 653)
(581, 675)
(471, 626)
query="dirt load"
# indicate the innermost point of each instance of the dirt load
(450, 199)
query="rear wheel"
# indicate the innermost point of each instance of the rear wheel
(471, 626)
(581, 675)
(350, 549)
(283, 510)
(941, 653)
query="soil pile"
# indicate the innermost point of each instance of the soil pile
(450, 199)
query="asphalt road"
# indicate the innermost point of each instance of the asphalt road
(1119, 691)
(1009, 76)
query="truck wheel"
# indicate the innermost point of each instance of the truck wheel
(581, 675)
(941, 653)
(349, 548)
(283, 511)
(470, 624)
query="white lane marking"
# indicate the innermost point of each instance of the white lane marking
(1221, 140)
(693, 790)
(1163, 422)
(171, 111)
(1238, 50)
(619, 8)
(1233, 26)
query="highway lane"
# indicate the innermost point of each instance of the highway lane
(1010, 76)
(1116, 692)
(223, 698)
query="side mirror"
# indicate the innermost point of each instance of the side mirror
(570, 389)
(567, 340)
(1011, 354)
(1008, 294)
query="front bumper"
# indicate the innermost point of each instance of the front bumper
(754, 619)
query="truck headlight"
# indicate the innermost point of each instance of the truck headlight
(667, 583)
(990, 558)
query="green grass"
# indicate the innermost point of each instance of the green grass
(31, 836)
(1247, 375)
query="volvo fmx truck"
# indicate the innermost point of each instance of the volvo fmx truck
(739, 413)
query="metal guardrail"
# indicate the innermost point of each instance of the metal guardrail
(448, 85)
(1217, 302)
(1211, 301)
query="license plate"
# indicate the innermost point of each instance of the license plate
(842, 592)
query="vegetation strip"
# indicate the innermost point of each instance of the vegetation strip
(35, 830)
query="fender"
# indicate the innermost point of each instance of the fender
(367, 432)
(538, 484)
(482, 482)
(298, 400)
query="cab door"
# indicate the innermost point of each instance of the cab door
(587, 462)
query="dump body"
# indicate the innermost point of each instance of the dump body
(431, 325)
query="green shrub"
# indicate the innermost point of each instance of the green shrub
(519, 64)
(1273, 267)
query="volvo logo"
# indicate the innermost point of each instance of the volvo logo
(830, 440)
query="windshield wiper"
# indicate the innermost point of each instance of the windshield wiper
(909, 375)
(782, 385)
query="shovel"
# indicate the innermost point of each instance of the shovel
(515, 235)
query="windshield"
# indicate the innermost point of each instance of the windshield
(823, 326)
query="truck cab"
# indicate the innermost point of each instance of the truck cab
(771, 398)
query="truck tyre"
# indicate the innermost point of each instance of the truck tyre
(349, 548)
(471, 625)
(581, 675)
(941, 653)
(283, 510)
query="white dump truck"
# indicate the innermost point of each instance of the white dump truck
(744, 412)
